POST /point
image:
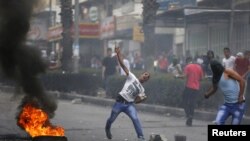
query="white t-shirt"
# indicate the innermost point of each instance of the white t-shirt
(174, 69)
(228, 63)
(132, 88)
(126, 63)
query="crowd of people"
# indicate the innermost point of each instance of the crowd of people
(229, 75)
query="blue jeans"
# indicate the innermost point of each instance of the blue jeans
(235, 110)
(128, 109)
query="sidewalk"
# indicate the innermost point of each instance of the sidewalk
(163, 110)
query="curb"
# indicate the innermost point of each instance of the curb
(156, 109)
(163, 110)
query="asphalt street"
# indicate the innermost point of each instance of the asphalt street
(86, 122)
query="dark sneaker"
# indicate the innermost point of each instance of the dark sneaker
(108, 133)
(189, 122)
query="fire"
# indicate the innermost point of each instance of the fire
(36, 122)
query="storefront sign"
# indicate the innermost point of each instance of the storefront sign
(55, 33)
(125, 22)
(107, 28)
(138, 34)
(38, 30)
(86, 30)
(93, 14)
(89, 30)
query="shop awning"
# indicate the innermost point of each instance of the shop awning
(178, 17)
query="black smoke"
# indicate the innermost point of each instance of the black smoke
(19, 61)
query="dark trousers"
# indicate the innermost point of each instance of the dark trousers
(189, 101)
(106, 83)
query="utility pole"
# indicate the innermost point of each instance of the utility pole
(76, 49)
(231, 24)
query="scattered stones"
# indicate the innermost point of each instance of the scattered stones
(76, 101)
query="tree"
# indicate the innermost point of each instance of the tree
(67, 41)
(150, 8)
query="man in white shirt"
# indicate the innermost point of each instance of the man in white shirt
(132, 92)
(229, 60)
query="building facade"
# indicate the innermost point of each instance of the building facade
(212, 25)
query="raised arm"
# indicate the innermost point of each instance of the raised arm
(118, 54)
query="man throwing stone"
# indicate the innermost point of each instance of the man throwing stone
(131, 93)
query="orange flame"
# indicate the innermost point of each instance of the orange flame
(36, 122)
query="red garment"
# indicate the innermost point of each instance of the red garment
(194, 74)
(241, 65)
(163, 64)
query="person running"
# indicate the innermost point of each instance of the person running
(232, 86)
(131, 93)
(193, 74)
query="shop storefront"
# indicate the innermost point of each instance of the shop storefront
(208, 29)
(89, 42)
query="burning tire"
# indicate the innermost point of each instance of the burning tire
(49, 138)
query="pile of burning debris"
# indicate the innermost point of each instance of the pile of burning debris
(36, 123)
(14, 137)
(23, 63)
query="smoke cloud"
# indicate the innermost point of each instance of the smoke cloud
(17, 60)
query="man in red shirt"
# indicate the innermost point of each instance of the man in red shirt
(163, 63)
(193, 74)
(242, 67)
(242, 64)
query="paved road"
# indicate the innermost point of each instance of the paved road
(85, 122)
